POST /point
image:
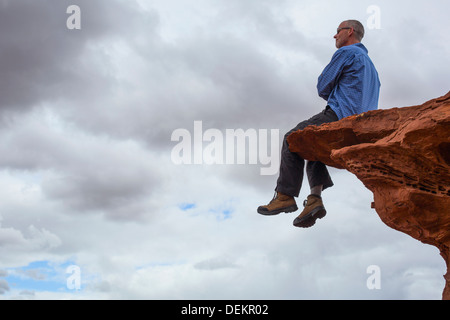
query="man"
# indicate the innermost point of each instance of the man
(350, 85)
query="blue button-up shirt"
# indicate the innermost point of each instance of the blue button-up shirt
(350, 82)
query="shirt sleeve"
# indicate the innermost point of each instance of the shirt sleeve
(330, 75)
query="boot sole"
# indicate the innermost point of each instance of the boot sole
(310, 219)
(277, 211)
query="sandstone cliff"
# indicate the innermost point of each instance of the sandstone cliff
(403, 156)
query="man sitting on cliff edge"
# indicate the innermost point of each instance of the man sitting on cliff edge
(350, 85)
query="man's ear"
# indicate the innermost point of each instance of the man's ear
(351, 31)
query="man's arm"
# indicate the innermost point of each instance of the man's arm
(331, 74)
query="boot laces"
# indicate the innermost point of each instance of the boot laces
(274, 197)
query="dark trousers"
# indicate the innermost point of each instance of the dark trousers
(292, 165)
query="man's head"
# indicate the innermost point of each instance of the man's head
(349, 32)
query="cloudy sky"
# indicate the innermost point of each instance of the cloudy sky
(93, 204)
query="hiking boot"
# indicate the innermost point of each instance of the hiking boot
(314, 210)
(280, 203)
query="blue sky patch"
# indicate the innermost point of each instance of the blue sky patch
(43, 276)
(187, 206)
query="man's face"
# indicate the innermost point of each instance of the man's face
(342, 36)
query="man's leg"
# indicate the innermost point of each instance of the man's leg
(319, 179)
(317, 190)
(318, 176)
(290, 177)
(289, 180)
(291, 170)
(291, 166)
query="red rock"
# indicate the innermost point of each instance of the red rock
(403, 156)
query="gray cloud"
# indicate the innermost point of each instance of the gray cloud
(3, 286)
(43, 61)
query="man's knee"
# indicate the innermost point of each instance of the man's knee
(300, 126)
(287, 135)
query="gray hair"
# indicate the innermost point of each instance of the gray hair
(358, 28)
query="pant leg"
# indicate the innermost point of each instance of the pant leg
(292, 165)
(291, 168)
(318, 175)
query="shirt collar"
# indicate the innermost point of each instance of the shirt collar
(362, 47)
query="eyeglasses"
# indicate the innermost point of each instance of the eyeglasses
(339, 29)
